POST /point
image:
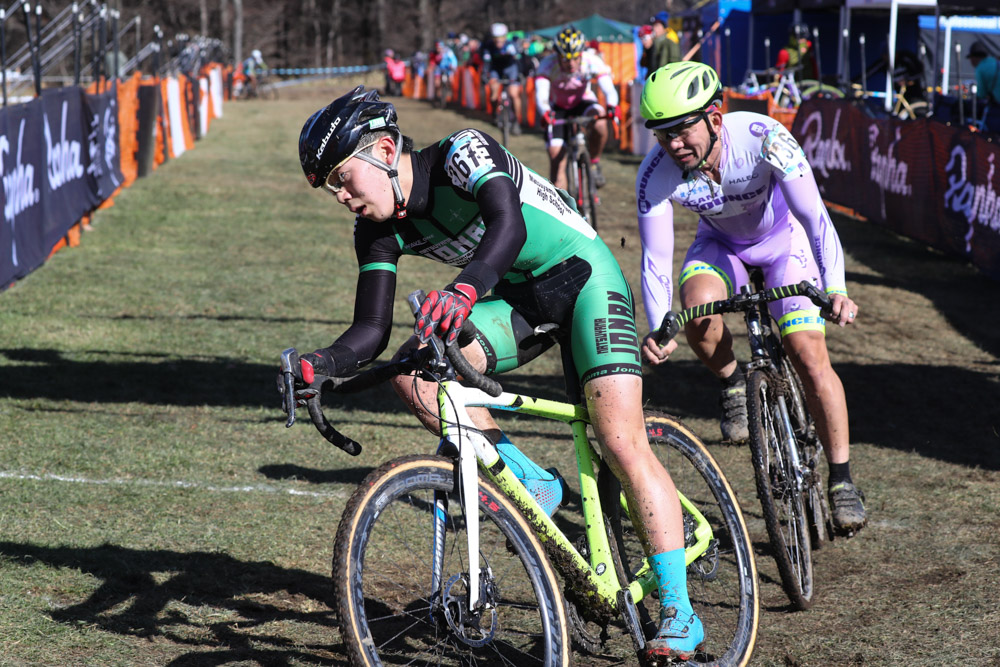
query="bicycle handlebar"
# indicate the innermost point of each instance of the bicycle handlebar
(673, 322)
(428, 359)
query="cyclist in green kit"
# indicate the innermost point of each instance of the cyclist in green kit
(525, 258)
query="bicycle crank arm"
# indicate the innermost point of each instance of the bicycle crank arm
(630, 615)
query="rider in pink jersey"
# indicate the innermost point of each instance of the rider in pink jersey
(562, 90)
(758, 205)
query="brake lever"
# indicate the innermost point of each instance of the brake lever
(288, 359)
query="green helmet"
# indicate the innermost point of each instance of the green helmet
(677, 90)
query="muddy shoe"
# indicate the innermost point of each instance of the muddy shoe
(599, 179)
(847, 505)
(677, 638)
(734, 414)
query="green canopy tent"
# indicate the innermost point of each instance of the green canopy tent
(594, 27)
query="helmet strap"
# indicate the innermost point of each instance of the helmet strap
(393, 173)
(713, 137)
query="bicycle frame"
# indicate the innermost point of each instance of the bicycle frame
(598, 575)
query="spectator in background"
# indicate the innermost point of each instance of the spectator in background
(665, 47)
(987, 72)
(395, 72)
(987, 84)
(798, 53)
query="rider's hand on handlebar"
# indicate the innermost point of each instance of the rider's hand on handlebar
(615, 114)
(443, 312)
(655, 354)
(549, 117)
(844, 310)
(309, 371)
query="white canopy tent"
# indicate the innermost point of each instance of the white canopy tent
(930, 6)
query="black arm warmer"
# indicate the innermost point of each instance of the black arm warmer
(500, 206)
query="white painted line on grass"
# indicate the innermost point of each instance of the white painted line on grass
(176, 484)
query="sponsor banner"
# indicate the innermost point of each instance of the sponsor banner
(922, 179)
(103, 142)
(59, 160)
(22, 167)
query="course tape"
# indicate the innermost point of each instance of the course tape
(175, 484)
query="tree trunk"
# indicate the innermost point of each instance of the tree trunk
(238, 31)
(226, 22)
(203, 7)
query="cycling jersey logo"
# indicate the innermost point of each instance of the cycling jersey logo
(617, 333)
(758, 129)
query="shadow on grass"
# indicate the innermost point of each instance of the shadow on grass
(133, 597)
(220, 381)
(936, 411)
(962, 294)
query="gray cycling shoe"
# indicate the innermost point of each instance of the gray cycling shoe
(847, 507)
(734, 414)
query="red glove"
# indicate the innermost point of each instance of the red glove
(443, 312)
(549, 117)
(615, 114)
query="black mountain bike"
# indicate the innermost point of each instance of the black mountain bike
(579, 170)
(784, 446)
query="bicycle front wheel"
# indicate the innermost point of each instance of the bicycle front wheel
(782, 495)
(722, 581)
(400, 572)
(588, 193)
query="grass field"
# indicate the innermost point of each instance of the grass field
(155, 511)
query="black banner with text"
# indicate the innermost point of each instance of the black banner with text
(58, 160)
(920, 178)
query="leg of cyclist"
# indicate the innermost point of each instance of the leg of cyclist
(710, 273)
(828, 407)
(494, 85)
(557, 162)
(597, 138)
(609, 369)
(514, 90)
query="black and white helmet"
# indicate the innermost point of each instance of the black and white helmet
(330, 137)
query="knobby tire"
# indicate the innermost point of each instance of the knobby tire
(784, 508)
(382, 573)
(722, 584)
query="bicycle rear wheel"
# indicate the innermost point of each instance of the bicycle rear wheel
(782, 496)
(722, 582)
(385, 561)
(821, 529)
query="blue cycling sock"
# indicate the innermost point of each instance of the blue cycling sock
(671, 575)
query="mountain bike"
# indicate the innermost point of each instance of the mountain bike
(786, 91)
(442, 91)
(438, 561)
(503, 112)
(784, 446)
(579, 169)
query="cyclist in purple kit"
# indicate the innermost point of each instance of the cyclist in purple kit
(758, 205)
